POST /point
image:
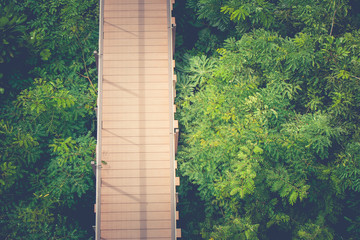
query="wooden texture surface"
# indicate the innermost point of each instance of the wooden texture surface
(136, 142)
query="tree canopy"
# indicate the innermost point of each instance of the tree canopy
(268, 105)
(48, 86)
(268, 98)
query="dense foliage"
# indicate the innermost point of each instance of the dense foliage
(48, 76)
(269, 102)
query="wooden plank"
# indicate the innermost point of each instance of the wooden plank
(135, 132)
(136, 93)
(139, 30)
(131, 42)
(134, 86)
(136, 117)
(149, 79)
(136, 124)
(134, 216)
(136, 35)
(135, 104)
(123, 225)
(139, 14)
(116, 71)
(137, 89)
(154, 198)
(140, 56)
(136, 234)
(123, 182)
(135, 49)
(135, 156)
(136, 148)
(140, 109)
(137, 207)
(135, 7)
(135, 173)
(114, 2)
(129, 190)
(135, 21)
(136, 64)
(135, 140)
(140, 164)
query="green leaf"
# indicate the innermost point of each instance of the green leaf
(258, 150)
(3, 21)
(234, 191)
(45, 54)
(293, 197)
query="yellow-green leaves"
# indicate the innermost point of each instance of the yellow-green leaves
(241, 228)
(25, 140)
(65, 148)
(282, 182)
(278, 219)
(28, 145)
(258, 150)
(238, 14)
(62, 145)
(45, 54)
(7, 172)
(44, 96)
(258, 12)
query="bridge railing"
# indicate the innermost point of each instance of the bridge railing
(99, 122)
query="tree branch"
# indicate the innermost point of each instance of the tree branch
(333, 19)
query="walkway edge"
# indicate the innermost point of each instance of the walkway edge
(99, 123)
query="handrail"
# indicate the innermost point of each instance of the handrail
(171, 119)
(99, 122)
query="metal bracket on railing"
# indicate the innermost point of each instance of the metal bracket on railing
(96, 55)
(93, 165)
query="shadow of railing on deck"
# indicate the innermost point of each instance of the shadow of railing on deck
(124, 138)
(121, 191)
(121, 88)
(122, 29)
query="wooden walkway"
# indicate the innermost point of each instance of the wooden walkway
(135, 155)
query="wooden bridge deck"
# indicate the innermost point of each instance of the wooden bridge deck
(136, 180)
